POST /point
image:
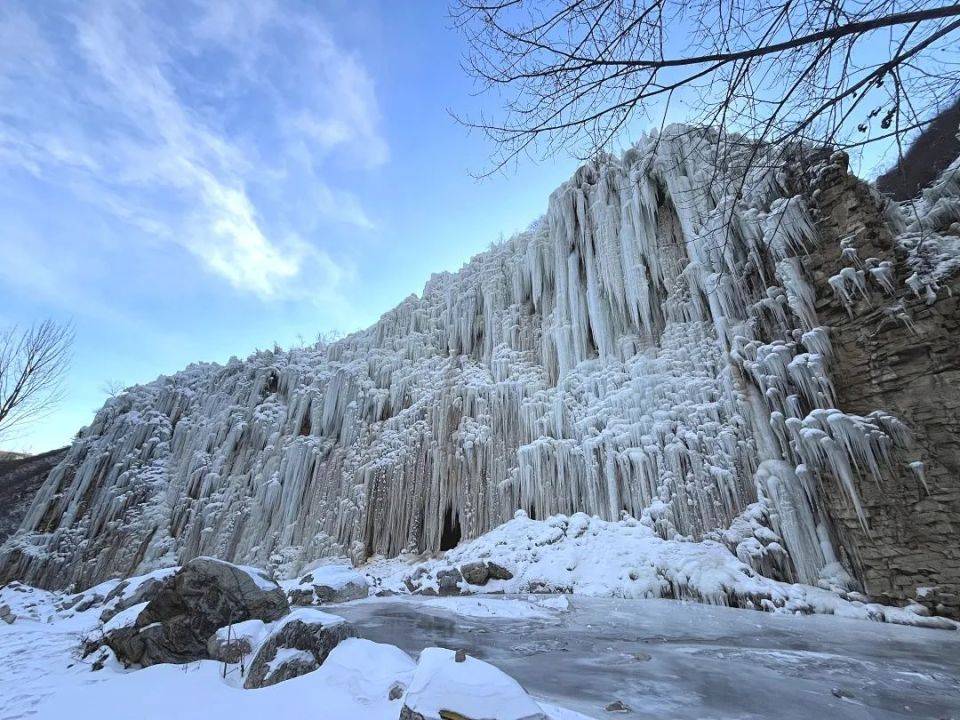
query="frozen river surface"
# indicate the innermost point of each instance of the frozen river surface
(666, 659)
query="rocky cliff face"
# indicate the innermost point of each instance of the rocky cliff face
(738, 366)
(20, 478)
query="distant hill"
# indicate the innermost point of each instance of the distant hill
(5, 455)
(928, 155)
(20, 478)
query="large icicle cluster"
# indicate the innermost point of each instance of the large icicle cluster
(650, 347)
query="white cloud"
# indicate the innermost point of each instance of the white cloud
(174, 122)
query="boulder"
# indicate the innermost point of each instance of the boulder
(135, 591)
(448, 581)
(296, 645)
(475, 573)
(121, 635)
(7, 615)
(498, 572)
(205, 594)
(231, 643)
(329, 584)
(442, 688)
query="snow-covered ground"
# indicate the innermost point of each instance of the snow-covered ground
(643, 658)
(582, 623)
(43, 676)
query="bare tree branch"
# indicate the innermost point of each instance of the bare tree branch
(572, 74)
(33, 365)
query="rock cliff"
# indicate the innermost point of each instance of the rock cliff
(20, 478)
(767, 360)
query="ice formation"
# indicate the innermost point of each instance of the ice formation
(650, 347)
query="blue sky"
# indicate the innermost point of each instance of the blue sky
(191, 181)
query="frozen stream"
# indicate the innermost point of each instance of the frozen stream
(666, 659)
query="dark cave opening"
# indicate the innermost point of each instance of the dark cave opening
(451, 530)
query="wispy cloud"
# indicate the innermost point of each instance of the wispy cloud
(205, 126)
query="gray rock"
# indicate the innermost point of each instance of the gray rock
(475, 573)
(313, 638)
(228, 650)
(147, 590)
(329, 584)
(498, 572)
(448, 581)
(87, 602)
(205, 595)
(6, 614)
(343, 593)
(301, 597)
(617, 706)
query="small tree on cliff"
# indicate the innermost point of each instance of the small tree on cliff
(33, 363)
(573, 73)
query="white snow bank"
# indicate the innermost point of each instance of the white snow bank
(124, 618)
(471, 688)
(589, 556)
(354, 682)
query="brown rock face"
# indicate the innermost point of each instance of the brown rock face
(911, 545)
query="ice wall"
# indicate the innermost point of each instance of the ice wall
(650, 346)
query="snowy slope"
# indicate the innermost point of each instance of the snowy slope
(651, 347)
(45, 678)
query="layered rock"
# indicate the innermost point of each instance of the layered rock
(672, 341)
(20, 478)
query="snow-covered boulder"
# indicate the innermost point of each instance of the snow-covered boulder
(205, 595)
(475, 573)
(296, 645)
(448, 581)
(232, 643)
(329, 584)
(136, 590)
(480, 572)
(446, 684)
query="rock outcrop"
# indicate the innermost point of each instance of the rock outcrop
(20, 478)
(176, 623)
(712, 354)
